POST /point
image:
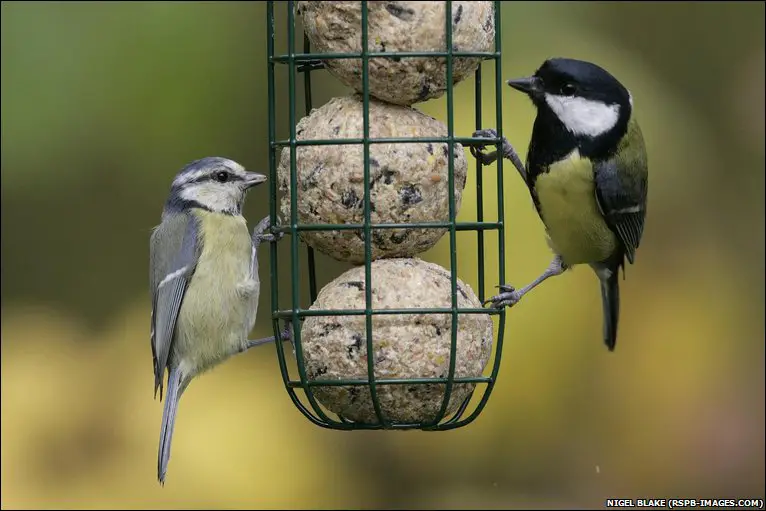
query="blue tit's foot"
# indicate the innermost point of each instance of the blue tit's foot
(260, 235)
(509, 297)
(488, 158)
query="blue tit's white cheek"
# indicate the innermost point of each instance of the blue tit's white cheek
(583, 116)
(213, 196)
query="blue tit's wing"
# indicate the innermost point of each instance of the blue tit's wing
(174, 250)
(621, 190)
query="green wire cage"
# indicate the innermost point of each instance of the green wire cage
(300, 66)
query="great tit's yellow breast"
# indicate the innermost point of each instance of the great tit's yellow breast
(220, 303)
(567, 197)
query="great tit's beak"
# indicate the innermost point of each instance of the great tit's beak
(530, 85)
(254, 178)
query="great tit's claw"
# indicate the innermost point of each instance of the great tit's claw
(477, 150)
(509, 297)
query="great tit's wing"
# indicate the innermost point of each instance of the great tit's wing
(621, 190)
(174, 250)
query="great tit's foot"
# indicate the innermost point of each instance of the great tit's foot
(477, 150)
(488, 158)
(509, 297)
(260, 233)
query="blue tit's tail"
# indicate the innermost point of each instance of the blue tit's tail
(610, 302)
(168, 422)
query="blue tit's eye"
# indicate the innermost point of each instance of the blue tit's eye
(568, 89)
(222, 176)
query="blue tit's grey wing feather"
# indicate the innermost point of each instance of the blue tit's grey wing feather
(621, 193)
(174, 251)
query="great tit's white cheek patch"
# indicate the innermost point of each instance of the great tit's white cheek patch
(583, 116)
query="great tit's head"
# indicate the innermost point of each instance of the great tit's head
(213, 183)
(586, 99)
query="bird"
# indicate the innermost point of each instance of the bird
(203, 279)
(587, 174)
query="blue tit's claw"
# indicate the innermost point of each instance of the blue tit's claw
(287, 333)
(261, 227)
(271, 238)
(260, 235)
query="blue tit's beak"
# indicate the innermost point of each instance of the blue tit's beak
(254, 178)
(531, 85)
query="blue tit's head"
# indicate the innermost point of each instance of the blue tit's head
(215, 184)
(585, 98)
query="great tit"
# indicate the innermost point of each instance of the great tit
(587, 174)
(204, 280)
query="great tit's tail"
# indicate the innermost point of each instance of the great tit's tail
(168, 422)
(610, 301)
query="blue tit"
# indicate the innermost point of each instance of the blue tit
(204, 280)
(587, 173)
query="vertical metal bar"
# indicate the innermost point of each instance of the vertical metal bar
(273, 259)
(479, 190)
(308, 106)
(452, 232)
(367, 229)
(500, 191)
(294, 260)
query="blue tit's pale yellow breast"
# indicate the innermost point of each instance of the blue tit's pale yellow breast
(576, 229)
(220, 304)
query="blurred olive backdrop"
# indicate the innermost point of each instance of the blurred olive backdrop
(102, 103)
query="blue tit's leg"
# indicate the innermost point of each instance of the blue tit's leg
(508, 152)
(252, 343)
(511, 296)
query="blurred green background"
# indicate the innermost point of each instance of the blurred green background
(102, 103)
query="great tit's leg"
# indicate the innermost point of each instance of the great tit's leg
(511, 296)
(508, 152)
(286, 335)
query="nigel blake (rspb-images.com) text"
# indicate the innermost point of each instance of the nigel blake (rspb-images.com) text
(686, 503)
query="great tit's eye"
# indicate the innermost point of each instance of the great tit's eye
(221, 176)
(568, 89)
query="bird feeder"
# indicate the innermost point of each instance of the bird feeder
(311, 386)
